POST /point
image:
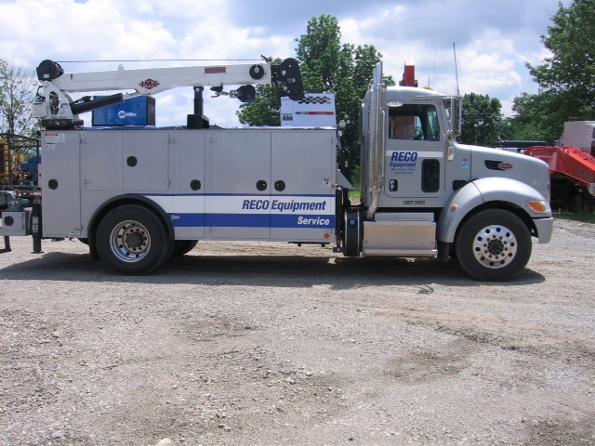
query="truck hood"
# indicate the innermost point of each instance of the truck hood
(489, 162)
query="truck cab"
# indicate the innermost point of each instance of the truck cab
(424, 194)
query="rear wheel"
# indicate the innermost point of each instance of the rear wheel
(132, 239)
(493, 245)
(182, 247)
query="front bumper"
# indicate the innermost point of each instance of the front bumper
(545, 227)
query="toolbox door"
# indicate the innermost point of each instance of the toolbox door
(145, 161)
(60, 184)
(189, 181)
(184, 204)
(237, 198)
(303, 185)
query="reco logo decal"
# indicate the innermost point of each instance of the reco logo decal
(404, 156)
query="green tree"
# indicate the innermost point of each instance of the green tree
(326, 65)
(528, 123)
(322, 59)
(481, 120)
(566, 79)
(265, 110)
(17, 88)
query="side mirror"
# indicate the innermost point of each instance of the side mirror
(456, 112)
(453, 108)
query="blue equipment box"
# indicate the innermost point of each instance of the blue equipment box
(135, 111)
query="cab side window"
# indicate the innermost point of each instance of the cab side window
(414, 122)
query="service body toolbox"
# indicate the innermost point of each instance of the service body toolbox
(262, 183)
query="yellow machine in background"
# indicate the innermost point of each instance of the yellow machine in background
(11, 162)
(4, 162)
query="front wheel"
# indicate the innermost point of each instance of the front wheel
(132, 239)
(493, 245)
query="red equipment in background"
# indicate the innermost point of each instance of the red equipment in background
(572, 173)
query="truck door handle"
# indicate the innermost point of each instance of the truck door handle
(280, 185)
(261, 185)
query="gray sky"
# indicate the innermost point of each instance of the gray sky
(494, 38)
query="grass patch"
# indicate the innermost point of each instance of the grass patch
(354, 195)
(577, 216)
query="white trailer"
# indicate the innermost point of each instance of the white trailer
(579, 134)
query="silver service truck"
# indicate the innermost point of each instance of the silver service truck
(138, 196)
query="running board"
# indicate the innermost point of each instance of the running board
(401, 252)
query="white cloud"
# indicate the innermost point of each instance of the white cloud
(491, 59)
(109, 29)
(491, 62)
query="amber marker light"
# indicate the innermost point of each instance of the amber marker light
(454, 207)
(538, 207)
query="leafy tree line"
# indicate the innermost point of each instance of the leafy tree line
(482, 120)
(566, 79)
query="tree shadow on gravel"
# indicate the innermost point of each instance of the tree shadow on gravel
(279, 271)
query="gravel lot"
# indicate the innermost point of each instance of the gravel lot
(246, 343)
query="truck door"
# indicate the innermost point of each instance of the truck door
(302, 193)
(188, 203)
(237, 202)
(414, 164)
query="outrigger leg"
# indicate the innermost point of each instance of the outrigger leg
(6, 245)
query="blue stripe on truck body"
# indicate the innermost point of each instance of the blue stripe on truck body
(182, 220)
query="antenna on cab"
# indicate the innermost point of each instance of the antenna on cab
(454, 50)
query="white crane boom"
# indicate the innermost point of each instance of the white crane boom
(155, 80)
(56, 109)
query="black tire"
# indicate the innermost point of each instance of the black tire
(182, 247)
(493, 245)
(131, 239)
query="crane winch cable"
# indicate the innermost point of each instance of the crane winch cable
(155, 60)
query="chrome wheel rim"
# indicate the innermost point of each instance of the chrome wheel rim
(130, 241)
(495, 246)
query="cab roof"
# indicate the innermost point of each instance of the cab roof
(409, 93)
